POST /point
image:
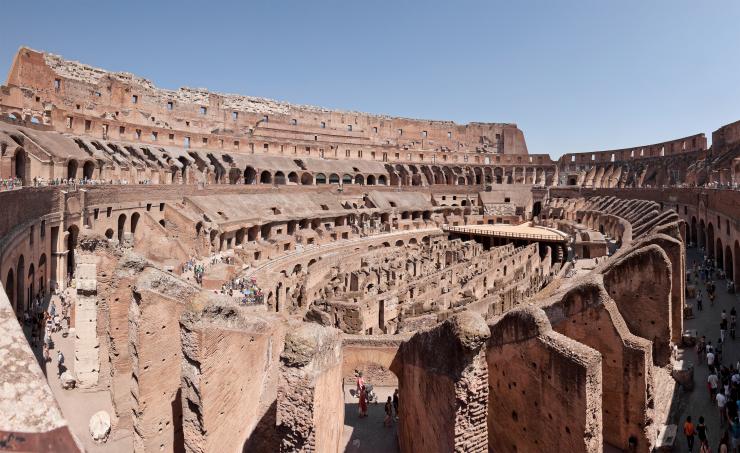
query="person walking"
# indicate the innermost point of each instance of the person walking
(363, 402)
(395, 403)
(701, 430)
(388, 421)
(60, 363)
(689, 431)
(721, 402)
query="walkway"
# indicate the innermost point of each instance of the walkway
(78, 405)
(706, 322)
(368, 435)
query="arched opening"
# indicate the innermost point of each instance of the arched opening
(720, 260)
(359, 179)
(198, 228)
(88, 169)
(693, 230)
(20, 284)
(382, 180)
(333, 178)
(320, 178)
(702, 234)
(20, 165)
(121, 226)
(109, 233)
(347, 179)
(279, 178)
(265, 177)
(306, 179)
(399, 243)
(710, 241)
(72, 169)
(729, 272)
(265, 231)
(163, 223)
(134, 221)
(72, 234)
(371, 180)
(10, 288)
(293, 177)
(250, 176)
(31, 280)
(536, 208)
(252, 233)
(42, 272)
(736, 263)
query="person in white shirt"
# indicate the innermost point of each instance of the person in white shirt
(710, 359)
(721, 401)
(712, 382)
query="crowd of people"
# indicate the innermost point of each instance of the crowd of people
(723, 377)
(245, 289)
(10, 184)
(42, 321)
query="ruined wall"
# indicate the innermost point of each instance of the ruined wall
(310, 400)
(586, 314)
(443, 383)
(229, 375)
(156, 354)
(640, 284)
(545, 388)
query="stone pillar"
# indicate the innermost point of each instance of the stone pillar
(87, 362)
(310, 400)
(443, 386)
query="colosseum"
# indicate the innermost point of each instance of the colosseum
(185, 270)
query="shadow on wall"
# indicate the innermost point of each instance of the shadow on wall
(264, 436)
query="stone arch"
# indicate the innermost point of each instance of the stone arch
(10, 288)
(347, 179)
(370, 180)
(42, 271)
(692, 232)
(279, 178)
(134, 221)
(719, 254)
(320, 178)
(30, 280)
(265, 177)
(293, 177)
(359, 179)
(736, 263)
(306, 179)
(88, 169)
(333, 178)
(728, 265)
(109, 233)
(19, 165)
(382, 181)
(20, 283)
(121, 226)
(702, 236)
(250, 175)
(72, 235)
(710, 240)
(72, 169)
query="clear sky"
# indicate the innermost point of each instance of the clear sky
(574, 75)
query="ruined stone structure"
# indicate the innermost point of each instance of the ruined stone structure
(436, 258)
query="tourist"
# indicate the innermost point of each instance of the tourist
(363, 402)
(388, 421)
(60, 363)
(701, 430)
(721, 402)
(710, 356)
(712, 383)
(724, 443)
(359, 381)
(395, 403)
(699, 303)
(735, 430)
(722, 327)
(689, 432)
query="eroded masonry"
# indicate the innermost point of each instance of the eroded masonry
(230, 264)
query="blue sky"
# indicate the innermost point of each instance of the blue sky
(575, 76)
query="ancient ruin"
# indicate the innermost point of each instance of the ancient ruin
(225, 266)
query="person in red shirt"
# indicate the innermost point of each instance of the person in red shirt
(689, 431)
